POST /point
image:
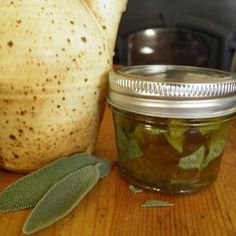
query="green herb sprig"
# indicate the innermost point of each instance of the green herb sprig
(156, 203)
(54, 190)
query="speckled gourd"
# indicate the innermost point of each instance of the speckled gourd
(54, 61)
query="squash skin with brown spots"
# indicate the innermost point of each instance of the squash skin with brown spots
(54, 62)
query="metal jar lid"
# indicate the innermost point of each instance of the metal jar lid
(173, 91)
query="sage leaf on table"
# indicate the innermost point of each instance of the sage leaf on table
(135, 190)
(156, 203)
(104, 167)
(31, 188)
(62, 198)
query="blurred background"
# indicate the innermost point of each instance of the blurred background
(180, 32)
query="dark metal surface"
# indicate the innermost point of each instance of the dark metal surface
(214, 20)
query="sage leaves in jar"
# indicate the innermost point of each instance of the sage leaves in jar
(170, 155)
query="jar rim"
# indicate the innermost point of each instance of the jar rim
(173, 91)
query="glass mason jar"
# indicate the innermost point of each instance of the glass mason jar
(171, 124)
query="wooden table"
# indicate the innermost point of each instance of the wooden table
(110, 209)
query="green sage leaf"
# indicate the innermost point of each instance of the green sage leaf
(176, 134)
(133, 149)
(207, 129)
(105, 168)
(122, 139)
(214, 152)
(154, 130)
(217, 144)
(31, 188)
(156, 203)
(143, 130)
(128, 145)
(214, 126)
(62, 198)
(194, 160)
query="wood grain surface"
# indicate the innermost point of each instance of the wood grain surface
(110, 209)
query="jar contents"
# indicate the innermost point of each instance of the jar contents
(168, 154)
(171, 124)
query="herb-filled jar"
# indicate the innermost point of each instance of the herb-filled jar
(171, 124)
